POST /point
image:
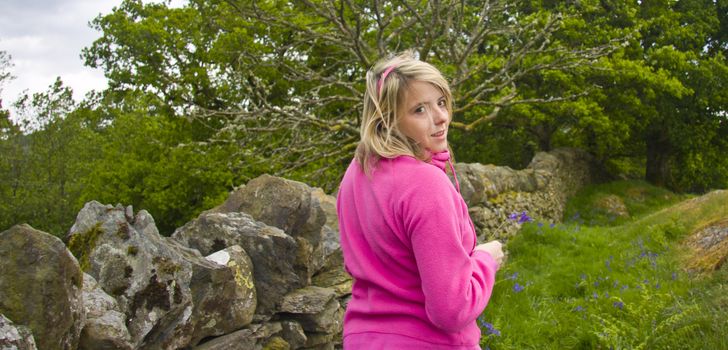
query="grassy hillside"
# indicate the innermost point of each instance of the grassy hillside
(602, 280)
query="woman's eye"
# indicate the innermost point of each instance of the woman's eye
(441, 103)
(420, 109)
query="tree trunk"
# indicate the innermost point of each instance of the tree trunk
(659, 152)
(543, 133)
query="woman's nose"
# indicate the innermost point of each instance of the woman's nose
(439, 116)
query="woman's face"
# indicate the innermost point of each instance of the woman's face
(424, 116)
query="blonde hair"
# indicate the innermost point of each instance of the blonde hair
(379, 130)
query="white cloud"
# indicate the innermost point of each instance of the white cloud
(45, 39)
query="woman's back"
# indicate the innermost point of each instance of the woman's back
(408, 242)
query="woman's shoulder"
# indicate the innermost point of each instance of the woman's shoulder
(409, 171)
(410, 163)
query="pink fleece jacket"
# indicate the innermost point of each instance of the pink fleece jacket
(407, 240)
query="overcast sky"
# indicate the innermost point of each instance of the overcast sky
(45, 39)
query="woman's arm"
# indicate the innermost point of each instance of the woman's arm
(457, 281)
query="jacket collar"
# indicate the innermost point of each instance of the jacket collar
(442, 160)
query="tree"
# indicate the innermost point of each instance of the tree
(151, 161)
(293, 71)
(43, 154)
(5, 77)
(5, 65)
(8, 131)
(659, 111)
(675, 40)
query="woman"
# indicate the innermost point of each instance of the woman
(420, 278)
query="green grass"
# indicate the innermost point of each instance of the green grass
(638, 197)
(596, 283)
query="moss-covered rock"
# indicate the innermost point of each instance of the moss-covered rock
(272, 251)
(709, 247)
(611, 206)
(82, 243)
(253, 337)
(276, 343)
(305, 213)
(170, 295)
(40, 287)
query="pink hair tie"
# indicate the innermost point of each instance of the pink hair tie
(381, 80)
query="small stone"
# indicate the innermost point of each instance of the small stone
(293, 334)
(308, 300)
(15, 337)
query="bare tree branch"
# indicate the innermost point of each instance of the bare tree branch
(320, 51)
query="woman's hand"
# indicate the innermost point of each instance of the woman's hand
(494, 248)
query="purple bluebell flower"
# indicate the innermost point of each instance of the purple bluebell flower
(595, 295)
(578, 308)
(513, 276)
(513, 216)
(490, 329)
(658, 285)
(524, 218)
(674, 276)
(618, 304)
(552, 225)
(517, 287)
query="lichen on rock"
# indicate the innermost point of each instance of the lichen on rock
(39, 270)
(82, 243)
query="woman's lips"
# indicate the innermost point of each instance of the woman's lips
(438, 134)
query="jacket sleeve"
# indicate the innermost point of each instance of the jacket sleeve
(457, 282)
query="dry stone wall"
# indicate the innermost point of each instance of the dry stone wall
(263, 270)
(493, 193)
